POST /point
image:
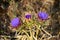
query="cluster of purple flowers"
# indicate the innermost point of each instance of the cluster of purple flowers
(16, 21)
(28, 16)
(43, 15)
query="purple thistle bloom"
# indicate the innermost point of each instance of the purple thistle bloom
(43, 15)
(28, 16)
(15, 22)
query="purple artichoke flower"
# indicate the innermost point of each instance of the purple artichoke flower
(28, 16)
(43, 15)
(15, 22)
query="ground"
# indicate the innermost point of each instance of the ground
(34, 28)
